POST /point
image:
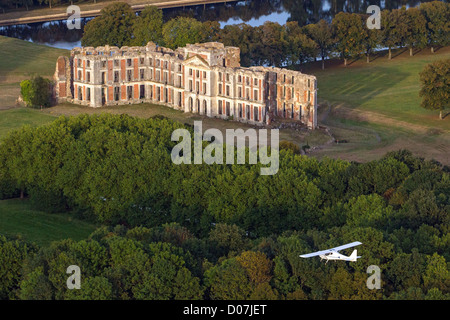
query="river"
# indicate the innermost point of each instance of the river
(253, 12)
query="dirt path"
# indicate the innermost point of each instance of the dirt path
(421, 140)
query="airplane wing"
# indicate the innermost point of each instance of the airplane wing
(348, 245)
(313, 254)
(345, 246)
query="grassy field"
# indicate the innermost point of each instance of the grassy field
(390, 88)
(20, 60)
(376, 108)
(18, 218)
(15, 118)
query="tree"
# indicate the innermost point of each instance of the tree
(372, 38)
(342, 286)
(12, 257)
(393, 25)
(26, 91)
(210, 31)
(94, 288)
(405, 271)
(35, 286)
(148, 26)
(257, 265)
(36, 92)
(227, 238)
(247, 38)
(288, 145)
(264, 291)
(24, 3)
(180, 31)
(113, 27)
(4, 4)
(368, 211)
(421, 208)
(349, 35)
(436, 274)
(435, 90)
(166, 276)
(228, 281)
(438, 23)
(273, 43)
(299, 48)
(436, 294)
(416, 33)
(50, 2)
(322, 33)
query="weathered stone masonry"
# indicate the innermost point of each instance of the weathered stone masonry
(202, 78)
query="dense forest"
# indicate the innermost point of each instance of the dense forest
(290, 45)
(218, 231)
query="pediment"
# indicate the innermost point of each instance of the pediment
(196, 60)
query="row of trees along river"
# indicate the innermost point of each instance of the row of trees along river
(252, 12)
(287, 45)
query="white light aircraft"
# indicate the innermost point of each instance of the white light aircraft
(333, 253)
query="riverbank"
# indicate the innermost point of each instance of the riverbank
(91, 10)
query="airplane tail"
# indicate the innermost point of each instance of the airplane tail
(354, 256)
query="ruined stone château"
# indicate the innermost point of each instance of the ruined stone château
(200, 78)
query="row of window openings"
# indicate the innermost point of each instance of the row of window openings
(80, 94)
(247, 92)
(241, 111)
(191, 106)
(239, 79)
(292, 79)
(290, 112)
(142, 91)
(197, 87)
(197, 73)
(129, 63)
(141, 76)
(116, 76)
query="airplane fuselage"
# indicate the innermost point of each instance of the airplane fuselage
(336, 256)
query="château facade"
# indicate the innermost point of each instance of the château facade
(199, 78)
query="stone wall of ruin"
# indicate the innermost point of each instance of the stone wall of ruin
(219, 87)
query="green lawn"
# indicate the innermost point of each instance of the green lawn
(25, 58)
(17, 218)
(376, 107)
(390, 88)
(15, 118)
(20, 60)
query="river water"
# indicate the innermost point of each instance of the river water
(252, 12)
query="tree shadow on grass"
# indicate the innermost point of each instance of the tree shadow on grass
(399, 52)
